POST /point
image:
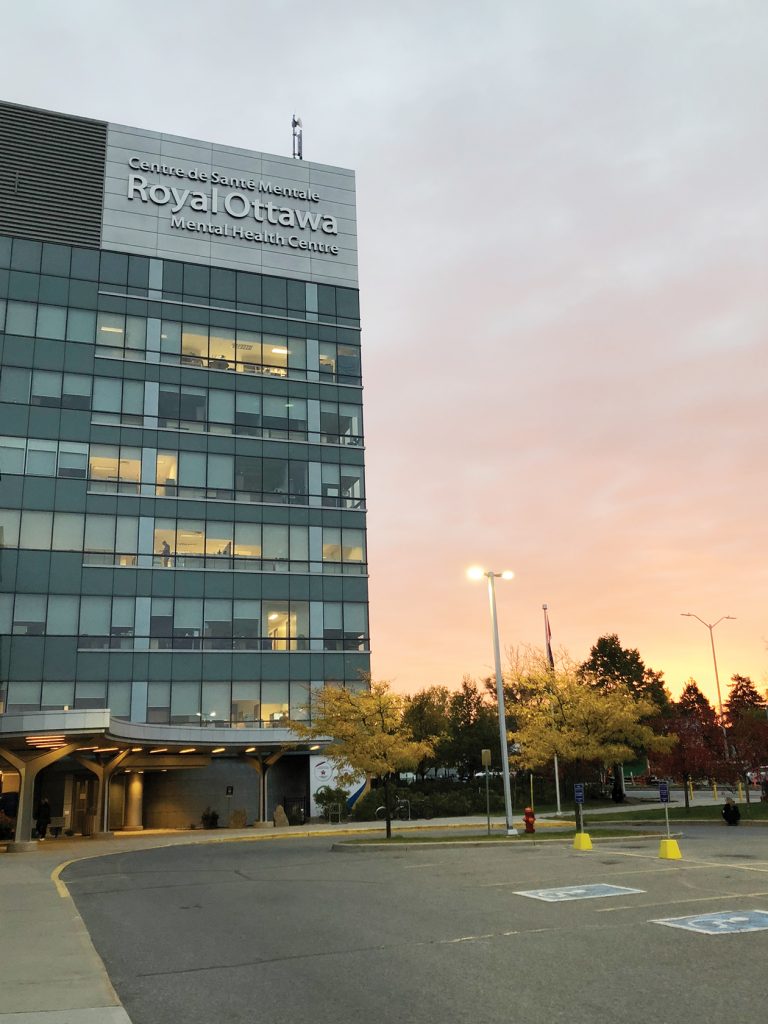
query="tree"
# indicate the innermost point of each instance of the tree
(612, 666)
(743, 699)
(368, 735)
(583, 723)
(609, 665)
(473, 723)
(694, 704)
(427, 716)
(699, 748)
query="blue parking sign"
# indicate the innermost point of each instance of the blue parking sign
(578, 792)
(664, 792)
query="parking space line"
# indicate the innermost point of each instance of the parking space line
(674, 903)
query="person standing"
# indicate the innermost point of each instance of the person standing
(731, 813)
(43, 819)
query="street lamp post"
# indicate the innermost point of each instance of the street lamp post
(710, 626)
(477, 574)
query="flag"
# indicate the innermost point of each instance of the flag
(548, 638)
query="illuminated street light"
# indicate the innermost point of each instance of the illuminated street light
(710, 626)
(477, 573)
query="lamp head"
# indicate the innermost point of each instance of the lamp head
(476, 572)
(507, 575)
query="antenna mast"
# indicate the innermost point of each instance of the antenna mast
(298, 131)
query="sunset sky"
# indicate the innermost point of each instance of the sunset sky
(563, 218)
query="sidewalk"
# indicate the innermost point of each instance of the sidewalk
(53, 974)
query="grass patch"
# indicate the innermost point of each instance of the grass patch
(710, 812)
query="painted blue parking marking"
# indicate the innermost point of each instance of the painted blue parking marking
(724, 922)
(577, 892)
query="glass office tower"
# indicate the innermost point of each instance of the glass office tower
(182, 502)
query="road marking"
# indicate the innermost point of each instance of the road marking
(61, 887)
(674, 903)
(724, 922)
(593, 891)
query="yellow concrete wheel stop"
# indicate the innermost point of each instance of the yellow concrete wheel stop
(669, 850)
(581, 841)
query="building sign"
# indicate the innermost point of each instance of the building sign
(183, 199)
(230, 209)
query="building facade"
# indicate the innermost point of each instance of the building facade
(182, 502)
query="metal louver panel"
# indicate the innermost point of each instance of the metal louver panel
(51, 175)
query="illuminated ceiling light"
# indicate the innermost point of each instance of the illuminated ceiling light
(136, 750)
(105, 750)
(188, 750)
(44, 742)
(280, 351)
(249, 750)
(79, 749)
(273, 616)
(159, 750)
(315, 746)
(111, 330)
(218, 750)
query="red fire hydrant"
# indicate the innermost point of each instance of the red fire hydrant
(529, 818)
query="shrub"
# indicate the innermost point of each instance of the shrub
(327, 798)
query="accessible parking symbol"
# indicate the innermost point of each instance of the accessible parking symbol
(724, 922)
(577, 892)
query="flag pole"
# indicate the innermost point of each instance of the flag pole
(550, 658)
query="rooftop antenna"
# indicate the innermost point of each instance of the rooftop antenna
(298, 130)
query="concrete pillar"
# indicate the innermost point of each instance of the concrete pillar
(103, 773)
(28, 768)
(134, 820)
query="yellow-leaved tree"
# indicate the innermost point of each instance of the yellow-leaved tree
(368, 734)
(561, 714)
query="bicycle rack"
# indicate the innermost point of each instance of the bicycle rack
(334, 809)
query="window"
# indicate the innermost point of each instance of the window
(246, 704)
(167, 474)
(345, 546)
(190, 542)
(246, 624)
(81, 325)
(115, 469)
(164, 546)
(76, 391)
(41, 457)
(68, 530)
(9, 527)
(94, 622)
(159, 702)
(248, 414)
(121, 629)
(63, 612)
(121, 336)
(187, 622)
(340, 424)
(20, 318)
(126, 540)
(218, 624)
(99, 543)
(161, 626)
(52, 322)
(73, 460)
(29, 614)
(222, 349)
(194, 344)
(247, 542)
(14, 385)
(274, 704)
(342, 486)
(46, 388)
(36, 530)
(13, 452)
(218, 545)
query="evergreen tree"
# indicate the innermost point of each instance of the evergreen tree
(694, 704)
(743, 699)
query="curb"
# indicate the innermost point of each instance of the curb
(455, 843)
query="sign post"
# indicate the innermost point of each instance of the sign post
(485, 757)
(668, 848)
(581, 840)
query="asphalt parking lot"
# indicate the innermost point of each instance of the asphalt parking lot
(291, 931)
